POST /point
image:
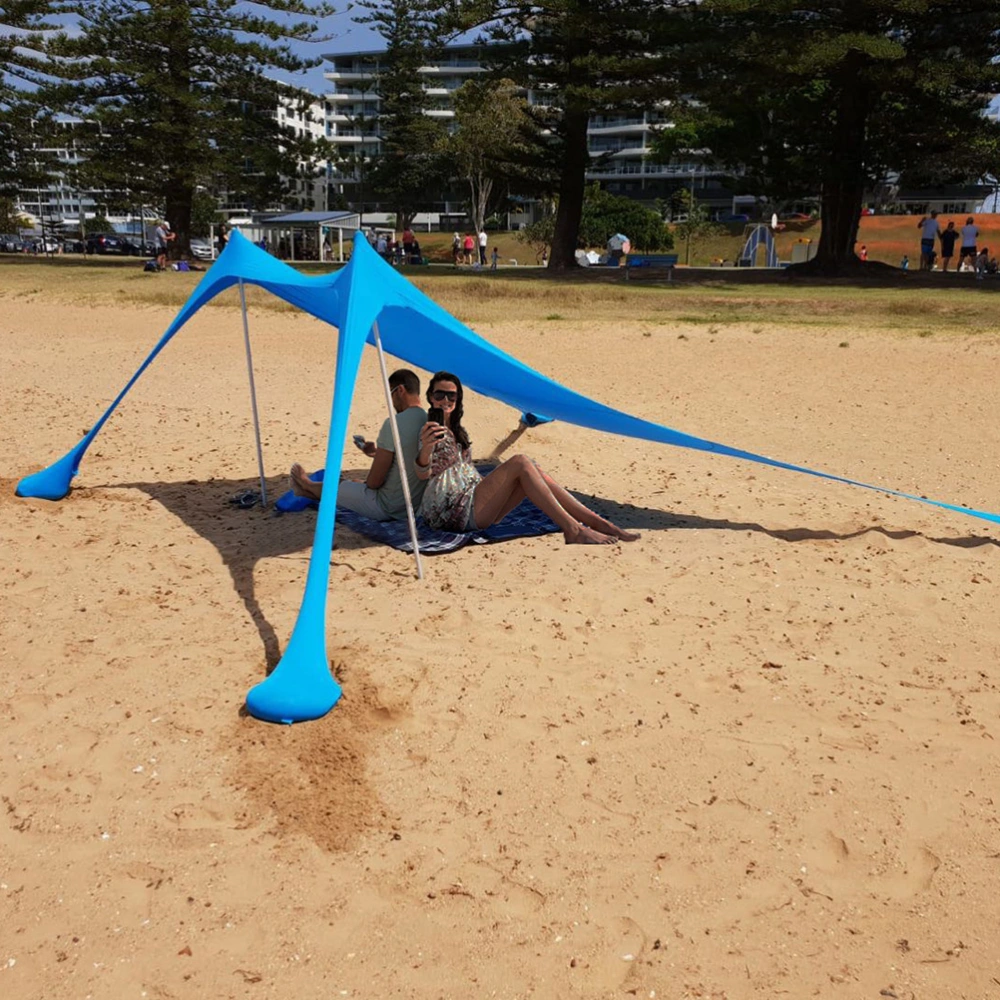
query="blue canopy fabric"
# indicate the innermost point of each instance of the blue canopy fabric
(413, 327)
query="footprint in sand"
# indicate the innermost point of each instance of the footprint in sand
(617, 958)
(921, 866)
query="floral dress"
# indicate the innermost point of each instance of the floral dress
(449, 496)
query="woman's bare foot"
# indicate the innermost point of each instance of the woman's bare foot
(588, 536)
(625, 536)
(303, 486)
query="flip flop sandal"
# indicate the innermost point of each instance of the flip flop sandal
(246, 500)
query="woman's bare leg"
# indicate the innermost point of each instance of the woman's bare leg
(303, 486)
(516, 478)
(583, 513)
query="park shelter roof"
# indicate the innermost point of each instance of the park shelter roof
(343, 219)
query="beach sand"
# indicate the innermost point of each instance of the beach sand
(753, 754)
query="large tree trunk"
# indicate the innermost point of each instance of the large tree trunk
(572, 182)
(179, 196)
(844, 179)
(841, 213)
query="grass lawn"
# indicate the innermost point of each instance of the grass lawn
(888, 238)
(481, 299)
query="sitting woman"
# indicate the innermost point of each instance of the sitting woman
(457, 498)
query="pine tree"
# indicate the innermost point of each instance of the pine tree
(800, 98)
(173, 96)
(22, 69)
(578, 58)
(411, 168)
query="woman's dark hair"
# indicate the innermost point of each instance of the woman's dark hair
(456, 415)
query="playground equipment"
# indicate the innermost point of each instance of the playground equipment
(758, 236)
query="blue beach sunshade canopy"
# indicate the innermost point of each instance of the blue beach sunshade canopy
(412, 327)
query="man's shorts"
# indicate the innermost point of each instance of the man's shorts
(926, 247)
(361, 499)
(967, 252)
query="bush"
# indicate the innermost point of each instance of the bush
(605, 214)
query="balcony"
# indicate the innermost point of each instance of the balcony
(616, 121)
(461, 66)
(627, 128)
(368, 96)
(630, 146)
(355, 72)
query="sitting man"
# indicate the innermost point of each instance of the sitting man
(380, 496)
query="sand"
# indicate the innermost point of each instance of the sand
(752, 755)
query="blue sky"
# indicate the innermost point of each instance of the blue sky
(345, 36)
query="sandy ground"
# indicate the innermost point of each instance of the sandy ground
(752, 755)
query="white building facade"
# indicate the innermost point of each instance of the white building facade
(620, 144)
(309, 188)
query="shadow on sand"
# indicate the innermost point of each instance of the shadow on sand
(243, 537)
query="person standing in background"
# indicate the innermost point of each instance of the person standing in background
(970, 233)
(161, 237)
(949, 236)
(930, 229)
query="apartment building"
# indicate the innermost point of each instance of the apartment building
(308, 189)
(352, 111)
(61, 198)
(620, 144)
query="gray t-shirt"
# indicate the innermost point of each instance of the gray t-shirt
(390, 493)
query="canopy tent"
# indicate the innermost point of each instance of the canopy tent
(365, 296)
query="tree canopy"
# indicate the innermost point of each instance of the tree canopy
(22, 68)
(798, 98)
(172, 96)
(411, 167)
(493, 134)
(579, 58)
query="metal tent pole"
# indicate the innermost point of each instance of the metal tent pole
(399, 452)
(253, 395)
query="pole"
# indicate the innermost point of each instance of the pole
(253, 395)
(687, 248)
(399, 452)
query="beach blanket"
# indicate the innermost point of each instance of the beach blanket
(525, 521)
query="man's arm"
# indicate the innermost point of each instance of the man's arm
(381, 465)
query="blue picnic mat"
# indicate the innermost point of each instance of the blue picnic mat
(524, 521)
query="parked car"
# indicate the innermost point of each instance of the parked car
(10, 243)
(41, 244)
(138, 247)
(201, 249)
(795, 217)
(107, 243)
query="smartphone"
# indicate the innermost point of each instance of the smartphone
(435, 415)
(359, 441)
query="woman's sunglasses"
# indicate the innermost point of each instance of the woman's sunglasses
(439, 395)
